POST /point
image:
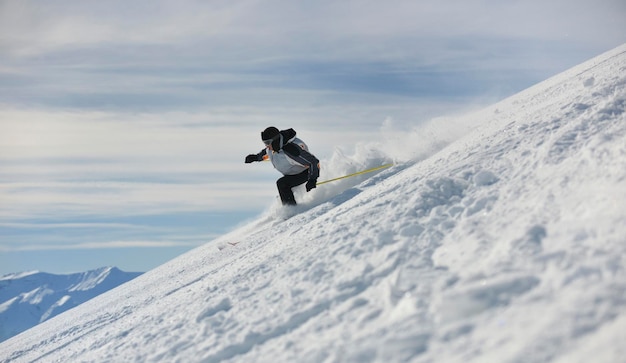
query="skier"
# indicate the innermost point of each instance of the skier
(292, 158)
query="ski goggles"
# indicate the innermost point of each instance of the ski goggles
(268, 142)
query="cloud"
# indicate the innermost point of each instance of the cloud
(99, 245)
(72, 225)
(75, 164)
(219, 33)
(37, 28)
(183, 55)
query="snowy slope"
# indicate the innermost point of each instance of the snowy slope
(28, 299)
(509, 245)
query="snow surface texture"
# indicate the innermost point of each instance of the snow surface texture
(28, 299)
(508, 245)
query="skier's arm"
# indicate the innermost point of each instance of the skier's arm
(256, 157)
(305, 158)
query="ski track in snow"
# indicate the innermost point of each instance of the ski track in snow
(506, 246)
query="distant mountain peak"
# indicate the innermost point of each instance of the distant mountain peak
(18, 275)
(29, 298)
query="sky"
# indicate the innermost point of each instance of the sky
(123, 126)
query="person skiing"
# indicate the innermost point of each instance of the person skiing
(292, 158)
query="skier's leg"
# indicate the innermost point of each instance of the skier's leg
(284, 190)
(287, 182)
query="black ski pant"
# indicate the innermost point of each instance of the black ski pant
(287, 182)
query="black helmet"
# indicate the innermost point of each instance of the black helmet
(271, 136)
(269, 133)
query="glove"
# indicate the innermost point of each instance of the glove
(311, 184)
(252, 157)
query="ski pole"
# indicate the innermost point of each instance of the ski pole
(355, 174)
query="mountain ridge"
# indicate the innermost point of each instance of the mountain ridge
(30, 298)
